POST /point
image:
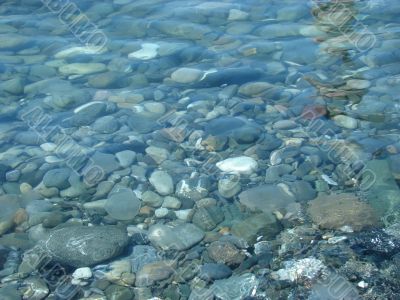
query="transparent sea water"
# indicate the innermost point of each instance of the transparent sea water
(199, 150)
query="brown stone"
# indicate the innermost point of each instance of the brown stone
(337, 210)
(226, 253)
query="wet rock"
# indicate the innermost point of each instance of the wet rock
(81, 246)
(180, 238)
(226, 253)
(337, 210)
(211, 272)
(117, 292)
(162, 182)
(147, 51)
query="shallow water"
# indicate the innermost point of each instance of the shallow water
(199, 150)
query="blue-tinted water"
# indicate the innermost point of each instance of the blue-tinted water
(199, 150)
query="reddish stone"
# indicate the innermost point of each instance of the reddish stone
(311, 112)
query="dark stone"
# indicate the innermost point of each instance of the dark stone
(375, 242)
(211, 272)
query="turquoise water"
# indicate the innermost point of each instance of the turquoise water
(199, 150)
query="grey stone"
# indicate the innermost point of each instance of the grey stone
(152, 199)
(80, 246)
(180, 238)
(106, 162)
(122, 204)
(267, 198)
(126, 158)
(251, 228)
(57, 178)
(229, 186)
(88, 113)
(106, 124)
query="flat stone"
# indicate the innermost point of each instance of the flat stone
(81, 246)
(181, 237)
(82, 68)
(207, 218)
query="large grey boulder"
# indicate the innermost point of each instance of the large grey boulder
(82, 246)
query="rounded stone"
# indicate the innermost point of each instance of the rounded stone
(123, 204)
(162, 182)
(186, 75)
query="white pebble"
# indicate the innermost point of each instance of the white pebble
(240, 164)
